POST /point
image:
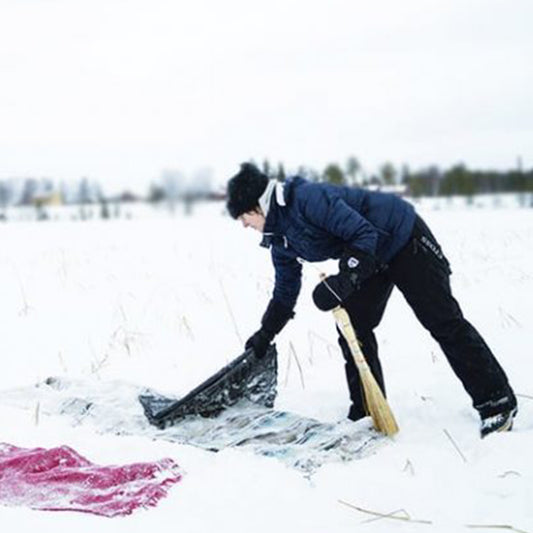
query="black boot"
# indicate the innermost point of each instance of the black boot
(497, 415)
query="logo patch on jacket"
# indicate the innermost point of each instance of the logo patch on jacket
(352, 262)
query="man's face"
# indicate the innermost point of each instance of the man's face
(253, 219)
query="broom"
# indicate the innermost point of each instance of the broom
(375, 402)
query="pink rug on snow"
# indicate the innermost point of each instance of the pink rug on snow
(60, 479)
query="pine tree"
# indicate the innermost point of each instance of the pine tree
(353, 168)
(333, 174)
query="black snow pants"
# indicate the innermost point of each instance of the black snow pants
(422, 273)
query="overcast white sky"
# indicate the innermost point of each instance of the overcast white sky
(118, 90)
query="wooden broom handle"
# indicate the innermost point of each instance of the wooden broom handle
(345, 325)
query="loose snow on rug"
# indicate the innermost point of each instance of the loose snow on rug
(114, 408)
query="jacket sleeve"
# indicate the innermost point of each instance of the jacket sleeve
(331, 213)
(288, 276)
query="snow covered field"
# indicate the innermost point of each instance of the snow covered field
(165, 301)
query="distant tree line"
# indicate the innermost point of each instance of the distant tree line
(173, 187)
(459, 180)
(45, 191)
(430, 181)
(349, 173)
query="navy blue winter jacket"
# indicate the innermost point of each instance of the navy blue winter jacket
(320, 220)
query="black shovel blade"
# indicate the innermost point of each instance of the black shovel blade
(246, 377)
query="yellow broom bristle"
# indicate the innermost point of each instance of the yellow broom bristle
(378, 407)
(375, 401)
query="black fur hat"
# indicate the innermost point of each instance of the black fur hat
(245, 189)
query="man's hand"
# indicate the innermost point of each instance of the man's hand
(332, 291)
(259, 343)
(358, 265)
(273, 321)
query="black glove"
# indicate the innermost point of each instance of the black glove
(358, 265)
(273, 321)
(333, 291)
(259, 343)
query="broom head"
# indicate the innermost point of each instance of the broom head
(376, 404)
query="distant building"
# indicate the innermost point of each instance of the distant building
(46, 199)
(399, 189)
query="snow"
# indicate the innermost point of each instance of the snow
(164, 301)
